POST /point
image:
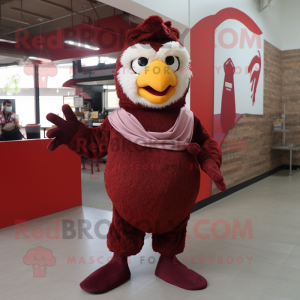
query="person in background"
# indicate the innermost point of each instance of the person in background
(7, 116)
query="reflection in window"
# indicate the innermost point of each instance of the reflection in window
(17, 83)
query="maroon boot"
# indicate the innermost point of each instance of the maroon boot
(172, 271)
(108, 277)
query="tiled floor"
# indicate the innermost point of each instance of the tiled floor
(272, 205)
(93, 190)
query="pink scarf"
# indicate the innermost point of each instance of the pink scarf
(176, 138)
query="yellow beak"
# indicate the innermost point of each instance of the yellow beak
(157, 82)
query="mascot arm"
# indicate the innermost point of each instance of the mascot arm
(210, 156)
(91, 142)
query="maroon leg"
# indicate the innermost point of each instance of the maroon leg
(169, 268)
(124, 240)
(172, 242)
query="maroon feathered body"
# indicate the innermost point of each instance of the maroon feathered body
(152, 189)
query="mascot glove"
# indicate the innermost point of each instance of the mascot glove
(211, 168)
(65, 130)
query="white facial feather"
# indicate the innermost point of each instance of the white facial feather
(127, 78)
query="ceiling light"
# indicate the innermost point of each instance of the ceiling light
(72, 41)
(7, 39)
(17, 21)
(82, 45)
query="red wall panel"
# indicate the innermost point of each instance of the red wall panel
(36, 182)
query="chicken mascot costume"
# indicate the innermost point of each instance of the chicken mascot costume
(152, 140)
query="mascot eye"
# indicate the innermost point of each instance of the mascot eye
(139, 64)
(173, 63)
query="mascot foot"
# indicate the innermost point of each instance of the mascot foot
(108, 277)
(174, 272)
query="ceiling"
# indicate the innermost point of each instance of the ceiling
(41, 16)
(50, 14)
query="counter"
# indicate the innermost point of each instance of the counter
(36, 182)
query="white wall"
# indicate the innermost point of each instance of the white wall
(269, 20)
(290, 25)
(50, 104)
(174, 9)
(280, 25)
(24, 108)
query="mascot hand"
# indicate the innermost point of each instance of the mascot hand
(210, 167)
(65, 130)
